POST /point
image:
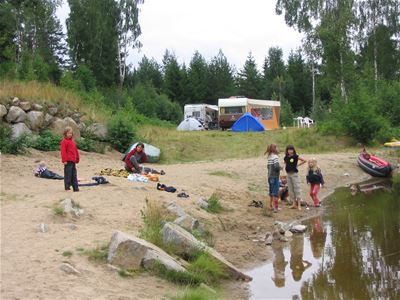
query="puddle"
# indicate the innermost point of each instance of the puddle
(352, 251)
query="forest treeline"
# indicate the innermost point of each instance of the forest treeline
(345, 75)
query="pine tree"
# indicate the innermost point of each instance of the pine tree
(172, 78)
(198, 79)
(221, 81)
(249, 80)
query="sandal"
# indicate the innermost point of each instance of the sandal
(183, 195)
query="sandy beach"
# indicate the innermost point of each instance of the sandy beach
(30, 260)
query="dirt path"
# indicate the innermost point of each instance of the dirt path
(30, 260)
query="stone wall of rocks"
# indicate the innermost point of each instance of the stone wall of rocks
(25, 117)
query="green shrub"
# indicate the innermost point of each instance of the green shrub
(87, 145)
(47, 141)
(214, 206)
(121, 132)
(11, 146)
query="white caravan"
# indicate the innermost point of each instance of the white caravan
(206, 114)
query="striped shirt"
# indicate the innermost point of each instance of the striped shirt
(273, 166)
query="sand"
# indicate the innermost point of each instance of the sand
(30, 260)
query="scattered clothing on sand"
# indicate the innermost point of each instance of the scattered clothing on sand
(183, 195)
(98, 180)
(43, 172)
(114, 172)
(163, 187)
(137, 178)
(256, 204)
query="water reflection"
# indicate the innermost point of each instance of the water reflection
(351, 252)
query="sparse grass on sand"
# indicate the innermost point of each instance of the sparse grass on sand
(67, 253)
(180, 146)
(98, 254)
(214, 205)
(224, 174)
(198, 293)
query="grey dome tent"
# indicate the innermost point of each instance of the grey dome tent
(190, 124)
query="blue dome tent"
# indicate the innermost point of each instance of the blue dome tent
(247, 123)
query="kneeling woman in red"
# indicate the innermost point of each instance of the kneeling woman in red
(315, 179)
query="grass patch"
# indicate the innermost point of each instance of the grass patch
(214, 205)
(154, 218)
(224, 174)
(178, 277)
(67, 253)
(207, 269)
(198, 293)
(128, 273)
(180, 146)
(98, 254)
(254, 188)
(205, 236)
(58, 210)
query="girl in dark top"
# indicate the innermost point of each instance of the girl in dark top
(315, 180)
(291, 163)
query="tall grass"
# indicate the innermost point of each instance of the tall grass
(178, 146)
(198, 293)
(91, 104)
(153, 217)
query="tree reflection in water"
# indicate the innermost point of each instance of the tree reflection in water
(362, 260)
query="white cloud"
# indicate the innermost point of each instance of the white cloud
(235, 26)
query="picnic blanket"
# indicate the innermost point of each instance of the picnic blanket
(114, 172)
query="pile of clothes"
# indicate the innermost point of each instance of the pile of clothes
(114, 172)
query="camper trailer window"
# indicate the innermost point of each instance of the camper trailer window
(196, 114)
(263, 113)
(233, 110)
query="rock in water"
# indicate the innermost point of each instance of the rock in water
(16, 115)
(298, 228)
(130, 252)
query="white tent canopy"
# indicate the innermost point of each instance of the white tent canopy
(190, 124)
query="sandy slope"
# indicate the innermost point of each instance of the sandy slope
(30, 260)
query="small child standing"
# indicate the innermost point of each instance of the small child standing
(69, 157)
(273, 176)
(292, 162)
(315, 179)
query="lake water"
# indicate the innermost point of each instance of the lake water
(352, 251)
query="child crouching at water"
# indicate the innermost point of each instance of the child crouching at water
(273, 176)
(315, 179)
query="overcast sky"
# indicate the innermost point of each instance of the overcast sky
(235, 26)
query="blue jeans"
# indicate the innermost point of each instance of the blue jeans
(273, 183)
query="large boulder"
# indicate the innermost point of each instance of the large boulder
(71, 123)
(48, 119)
(16, 115)
(175, 209)
(130, 252)
(26, 106)
(98, 130)
(58, 126)
(36, 120)
(186, 244)
(19, 129)
(3, 111)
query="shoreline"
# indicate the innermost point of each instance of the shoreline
(27, 201)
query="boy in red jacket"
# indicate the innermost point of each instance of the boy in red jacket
(69, 157)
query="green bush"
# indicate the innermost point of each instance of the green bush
(286, 113)
(11, 146)
(87, 144)
(121, 132)
(47, 141)
(214, 206)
